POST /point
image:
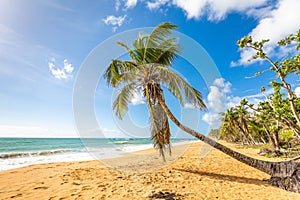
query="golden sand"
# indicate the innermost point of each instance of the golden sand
(215, 176)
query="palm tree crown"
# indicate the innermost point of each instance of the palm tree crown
(148, 70)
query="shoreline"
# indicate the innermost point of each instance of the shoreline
(142, 174)
(87, 154)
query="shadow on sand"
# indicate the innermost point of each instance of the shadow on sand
(224, 177)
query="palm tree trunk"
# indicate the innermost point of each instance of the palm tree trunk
(247, 131)
(271, 138)
(285, 175)
(263, 140)
(243, 133)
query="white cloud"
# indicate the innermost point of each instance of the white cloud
(68, 67)
(127, 4)
(220, 82)
(280, 22)
(213, 119)
(216, 99)
(297, 91)
(130, 4)
(260, 13)
(218, 9)
(57, 73)
(189, 105)
(117, 5)
(114, 29)
(233, 101)
(61, 73)
(192, 8)
(114, 21)
(252, 99)
(216, 102)
(214, 10)
(155, 4)
(137, 98)
(283, 20)
(219, 99)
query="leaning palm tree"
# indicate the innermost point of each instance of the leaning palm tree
(149, 70)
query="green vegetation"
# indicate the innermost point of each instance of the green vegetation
(276, 119)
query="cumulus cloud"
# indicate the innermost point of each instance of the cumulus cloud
(117, 5)
(216, 101)
(214, 10)
(192, 8)
(233, 101)
(130, 4)
(275, 25)
(220, 98)
(297, 91)
(276, 19)
(189, 105)
(114, 21)
(63, 72)
(152, 5)
(68, 67)
(126, 4)
(218, 9)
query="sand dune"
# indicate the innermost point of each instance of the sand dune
(143, 175)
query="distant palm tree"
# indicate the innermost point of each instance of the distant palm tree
(152, 55)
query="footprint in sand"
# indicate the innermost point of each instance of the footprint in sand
(41, 187)
(18, 195)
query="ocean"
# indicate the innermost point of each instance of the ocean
(20, 152)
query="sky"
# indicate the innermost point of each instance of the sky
(43, 45)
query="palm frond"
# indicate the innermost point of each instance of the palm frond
(177, 85)
(139, 47)
(115, 70)
(158, 35)
(120, 104)
(130, 51)
(166, 52)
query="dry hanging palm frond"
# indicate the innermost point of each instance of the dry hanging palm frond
(160, 130)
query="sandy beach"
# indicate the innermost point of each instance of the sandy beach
(142, 175)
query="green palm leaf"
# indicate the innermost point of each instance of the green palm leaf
(131, 52)
(177, 85)
(120, 104)
(159, 35)
(116, 69)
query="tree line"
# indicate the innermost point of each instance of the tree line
(274, 120)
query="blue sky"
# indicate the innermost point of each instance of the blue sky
(44, 43)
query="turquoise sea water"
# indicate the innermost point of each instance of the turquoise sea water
(18, 152)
